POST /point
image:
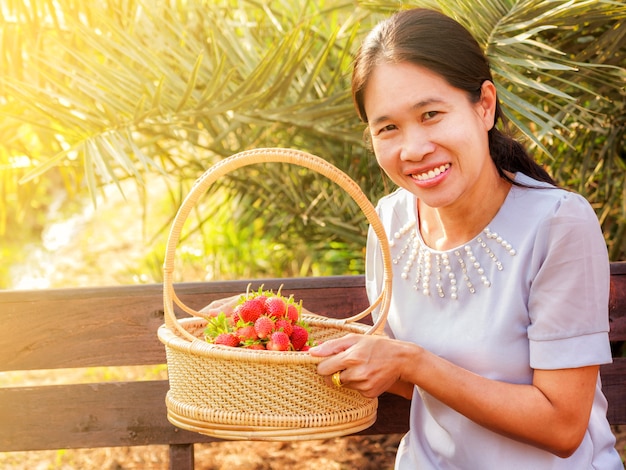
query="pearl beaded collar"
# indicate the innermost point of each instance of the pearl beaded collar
(439, 266)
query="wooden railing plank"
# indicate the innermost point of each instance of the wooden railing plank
(88, 415)
(64, 328)
(117, 414)
(64, 333)
(116, 326)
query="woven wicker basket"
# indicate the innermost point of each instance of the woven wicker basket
(237, 393)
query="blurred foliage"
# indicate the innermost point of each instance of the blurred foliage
(95, 93)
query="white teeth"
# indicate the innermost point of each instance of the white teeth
(432, 173)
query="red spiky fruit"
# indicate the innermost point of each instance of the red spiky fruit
(233, 318)
(285, 325)
(292, 313)
(264, 326)
(279, 341)
(275, 306)
(299, 337)
(246, 333)
(250, 309)
(227, 339)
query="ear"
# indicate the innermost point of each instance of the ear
(486, 106)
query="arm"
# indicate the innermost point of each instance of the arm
(551, 413)
(402, 388)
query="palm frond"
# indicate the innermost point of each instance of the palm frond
(92, 93)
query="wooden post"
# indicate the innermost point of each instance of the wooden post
(181, 457)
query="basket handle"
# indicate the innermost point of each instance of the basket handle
(270, 155)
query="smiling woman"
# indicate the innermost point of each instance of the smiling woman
(498, 320)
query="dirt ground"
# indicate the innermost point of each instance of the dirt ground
(349, 453)
(357, 452)
(354, 452)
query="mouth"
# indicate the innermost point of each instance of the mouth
(430, 174)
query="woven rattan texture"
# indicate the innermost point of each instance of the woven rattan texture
(238, 393)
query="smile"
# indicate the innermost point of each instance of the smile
(431, 173)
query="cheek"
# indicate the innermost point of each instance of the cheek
(382, 153)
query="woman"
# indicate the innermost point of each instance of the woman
(498, 319)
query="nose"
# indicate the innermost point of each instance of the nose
(416, 146)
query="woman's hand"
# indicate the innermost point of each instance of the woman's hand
(225, 305)
(368, 364)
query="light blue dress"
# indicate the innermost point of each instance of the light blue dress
(529, 292)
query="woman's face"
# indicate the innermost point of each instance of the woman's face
(428, 136)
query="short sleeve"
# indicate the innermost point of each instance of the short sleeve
(568, 300)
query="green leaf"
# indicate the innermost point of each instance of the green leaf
(191, 84)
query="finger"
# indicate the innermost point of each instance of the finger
(334, 346)
(337, 378)
(364, 385)
(329, 366)
(342, 378)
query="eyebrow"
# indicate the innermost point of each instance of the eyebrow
(416, 106)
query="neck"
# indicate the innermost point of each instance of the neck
(443, 228)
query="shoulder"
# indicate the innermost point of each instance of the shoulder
(549, 222)
(399, 205)
(399, 196)
(543, 201)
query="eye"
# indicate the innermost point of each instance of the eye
(430, 115)
(387, 128)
